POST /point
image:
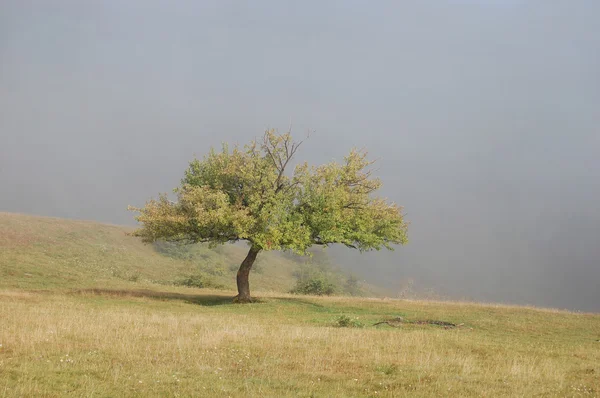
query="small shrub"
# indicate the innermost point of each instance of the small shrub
(318, 286)
(344, 321)
(198, 281)
(352, 286)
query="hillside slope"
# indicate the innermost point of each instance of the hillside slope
(43, 252)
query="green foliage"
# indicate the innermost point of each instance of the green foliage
(245, 194)
(344, 321)
(318, 276)
(318, 285)
(198, 281)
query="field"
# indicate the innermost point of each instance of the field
(68, 328)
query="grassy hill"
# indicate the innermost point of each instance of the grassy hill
(86, 310)
(44, 252)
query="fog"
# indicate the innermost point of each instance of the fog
(484, 116)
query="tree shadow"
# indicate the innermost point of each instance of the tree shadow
(206, 300)
(300, 301)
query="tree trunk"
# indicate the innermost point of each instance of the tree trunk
(242, 277)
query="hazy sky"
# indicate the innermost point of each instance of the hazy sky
(485, 115)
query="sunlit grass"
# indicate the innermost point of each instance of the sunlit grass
(186, 342)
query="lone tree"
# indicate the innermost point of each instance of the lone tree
(246, 194)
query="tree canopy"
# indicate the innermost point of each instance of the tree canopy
(247, 194)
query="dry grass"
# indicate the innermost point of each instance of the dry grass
(192, 343)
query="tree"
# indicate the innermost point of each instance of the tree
(246, 194)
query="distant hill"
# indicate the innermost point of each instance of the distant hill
(48, 253)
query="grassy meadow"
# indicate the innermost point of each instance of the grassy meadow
(86, 311)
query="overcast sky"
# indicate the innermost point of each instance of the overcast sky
(484, 115)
